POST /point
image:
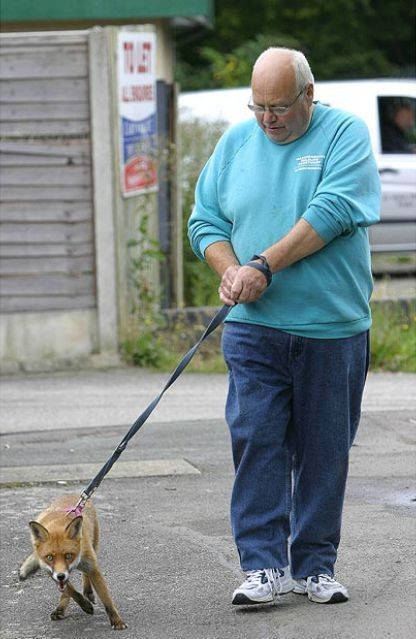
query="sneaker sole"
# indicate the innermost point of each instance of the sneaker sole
(243, 600)
(337, 597)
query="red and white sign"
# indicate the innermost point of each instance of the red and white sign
(137, 111)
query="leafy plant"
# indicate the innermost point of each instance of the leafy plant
(146, 252)
(142, 346)
(144, 349)
(393, 337)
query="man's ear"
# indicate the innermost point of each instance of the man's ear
(39, 532)
(73, 530)
(309, 92)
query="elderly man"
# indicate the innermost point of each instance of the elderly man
(281, 214)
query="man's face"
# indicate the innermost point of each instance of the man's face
(405, 118)
(286, 127)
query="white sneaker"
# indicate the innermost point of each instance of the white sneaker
(321, 589)
(263, 586)
(300, 586)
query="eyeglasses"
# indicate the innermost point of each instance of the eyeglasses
(276, 110)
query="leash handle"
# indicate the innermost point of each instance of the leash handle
(96, 481)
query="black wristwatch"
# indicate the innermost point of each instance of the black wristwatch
(263, 267)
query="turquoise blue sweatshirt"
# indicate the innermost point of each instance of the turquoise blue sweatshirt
(252, 192)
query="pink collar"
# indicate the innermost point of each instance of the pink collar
(77, 510)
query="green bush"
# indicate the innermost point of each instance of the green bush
(144, 349)
(393, 337)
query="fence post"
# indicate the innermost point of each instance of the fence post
(103, 191)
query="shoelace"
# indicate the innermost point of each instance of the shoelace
(253, 575)
(273, 579)
(328, 580)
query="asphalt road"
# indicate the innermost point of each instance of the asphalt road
(166, 546)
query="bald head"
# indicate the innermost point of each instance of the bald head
(279, 64)
(275, 62)
(282, 78)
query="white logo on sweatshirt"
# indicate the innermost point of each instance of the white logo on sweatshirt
(309, 163)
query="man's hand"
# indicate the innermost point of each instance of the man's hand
(226, 285)
(238, 283)
(241, 284)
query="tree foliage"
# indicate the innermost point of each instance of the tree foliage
(342, 40)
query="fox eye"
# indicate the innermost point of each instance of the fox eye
(68, 556)
(49, 557)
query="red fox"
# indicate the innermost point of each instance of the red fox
(62, 541)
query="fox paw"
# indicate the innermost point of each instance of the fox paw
(118, 624)
(87, 607)
(28, 567)
(57, 614)
(26, 571)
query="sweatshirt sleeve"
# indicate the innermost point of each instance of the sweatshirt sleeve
(207, 223)
(349, 193)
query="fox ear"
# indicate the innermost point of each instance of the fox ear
(39, 532)
(73, 529)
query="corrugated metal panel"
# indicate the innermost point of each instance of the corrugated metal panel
(46, 216)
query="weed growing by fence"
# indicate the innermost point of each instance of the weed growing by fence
(142, 345)
(393, 337)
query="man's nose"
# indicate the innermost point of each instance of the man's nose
(269, 116)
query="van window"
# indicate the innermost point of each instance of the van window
(397, 124)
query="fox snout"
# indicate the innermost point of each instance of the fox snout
(61, 578)
(60, 572)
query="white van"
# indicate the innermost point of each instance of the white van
(373, 101)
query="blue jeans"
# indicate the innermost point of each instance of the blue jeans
(293, 410)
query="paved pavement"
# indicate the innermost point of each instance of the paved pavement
(166, 546)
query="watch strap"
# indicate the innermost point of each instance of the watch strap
(263, 267)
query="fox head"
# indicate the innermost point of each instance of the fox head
(58, 548)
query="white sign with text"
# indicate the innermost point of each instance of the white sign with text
(136, 63)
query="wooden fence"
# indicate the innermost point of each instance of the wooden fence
(46, 212)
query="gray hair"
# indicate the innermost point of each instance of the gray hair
(303, 73)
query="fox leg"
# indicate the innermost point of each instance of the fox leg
(82, 602)
(28, 567)
(87, 588)
(64, 600)
(68, 594)
(102, 591)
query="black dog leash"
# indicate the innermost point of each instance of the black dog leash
(96, 481)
